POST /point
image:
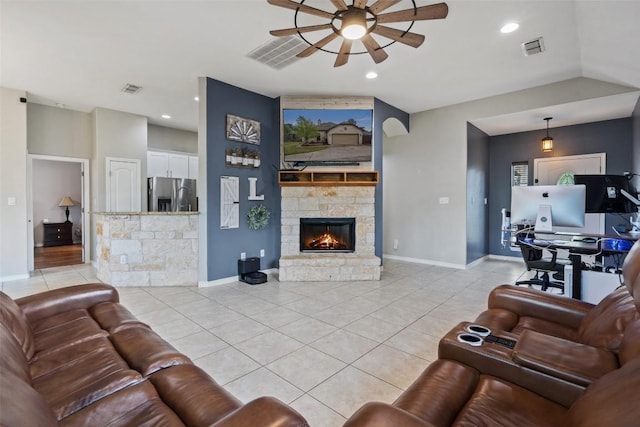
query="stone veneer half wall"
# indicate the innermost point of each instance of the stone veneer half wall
(147, 248)
(328, 202)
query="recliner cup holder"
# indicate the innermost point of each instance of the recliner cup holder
(478, 330)
(471, 339)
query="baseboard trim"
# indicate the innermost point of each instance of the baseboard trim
(424, 261)
(456, 266)
(231, 279)
(517, 259)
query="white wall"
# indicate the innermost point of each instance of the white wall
(58, 132)
(430, 163)
(52, 180)
(116, 134)
(164, 138)
(13, 184)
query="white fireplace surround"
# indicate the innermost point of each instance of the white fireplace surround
(328, 202)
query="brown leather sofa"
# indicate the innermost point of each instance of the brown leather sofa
(76, 357)
(572, 364)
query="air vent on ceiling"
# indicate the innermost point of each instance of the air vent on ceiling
(534, 46)
(279, 52)
(132, 89)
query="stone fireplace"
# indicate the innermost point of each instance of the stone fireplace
(327, 235)
(331, 205)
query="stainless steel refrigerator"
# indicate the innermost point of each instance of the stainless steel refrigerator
(171, 194)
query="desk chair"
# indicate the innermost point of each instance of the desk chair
(543, 267)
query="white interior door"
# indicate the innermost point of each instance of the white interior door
(547, 171)
(123, 185)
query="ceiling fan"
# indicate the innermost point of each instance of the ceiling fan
(358, 22)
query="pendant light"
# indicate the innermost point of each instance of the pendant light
(547, 141)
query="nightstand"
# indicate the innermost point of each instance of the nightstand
(58, 233)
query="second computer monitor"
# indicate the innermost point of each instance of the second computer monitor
(548, 205)
(605, 193)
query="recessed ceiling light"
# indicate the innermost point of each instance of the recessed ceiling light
(166, 116)
(196, 98)
(371, 75)
(509, 27)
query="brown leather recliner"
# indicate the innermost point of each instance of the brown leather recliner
(515, 309)
(490, 388)
(449, 393)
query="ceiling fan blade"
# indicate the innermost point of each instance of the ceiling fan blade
(374, 49)
(290, 31)
(434, 11)
(340, 4)
(408, 38)
(381, 5)
(317, 45)
(360, 4)
(290, 4)
(343, 55)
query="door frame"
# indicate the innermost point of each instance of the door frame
(86, 235)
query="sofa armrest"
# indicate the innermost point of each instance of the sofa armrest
(539, 304)
(50, 303)
(571, 361)
(263, 411)
(377, 414)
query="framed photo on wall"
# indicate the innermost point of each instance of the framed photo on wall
(243, 130)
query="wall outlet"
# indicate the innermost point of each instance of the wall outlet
(243, 255)
(123, 259)
(395, 244)
(444, 200)
(261, 253)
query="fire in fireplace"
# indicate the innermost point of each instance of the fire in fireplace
(327, 234)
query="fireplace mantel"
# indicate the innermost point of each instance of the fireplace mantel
(327, 178)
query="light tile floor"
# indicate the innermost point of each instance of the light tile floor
(325, 348)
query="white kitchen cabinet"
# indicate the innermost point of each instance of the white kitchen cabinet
(157, 164)
(171, 165)
(178, 165)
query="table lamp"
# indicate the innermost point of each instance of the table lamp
(66, 202)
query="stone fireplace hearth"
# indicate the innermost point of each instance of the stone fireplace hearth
(329, 202)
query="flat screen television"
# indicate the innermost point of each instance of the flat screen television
(547, 206)
(327, 137)
(604, 193)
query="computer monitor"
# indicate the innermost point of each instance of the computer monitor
(548, 206)
(605, 193)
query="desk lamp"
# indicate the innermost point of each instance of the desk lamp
(66, 202)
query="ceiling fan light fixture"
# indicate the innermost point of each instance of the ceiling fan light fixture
(354, 24)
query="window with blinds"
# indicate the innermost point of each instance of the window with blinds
(519, 174)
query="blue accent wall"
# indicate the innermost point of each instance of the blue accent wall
(613, 137)
(477, 190)
(381, 112)
(224, 246)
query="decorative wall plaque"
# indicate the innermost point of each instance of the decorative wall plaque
(243, 130)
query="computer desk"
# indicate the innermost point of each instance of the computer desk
(577, 248)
